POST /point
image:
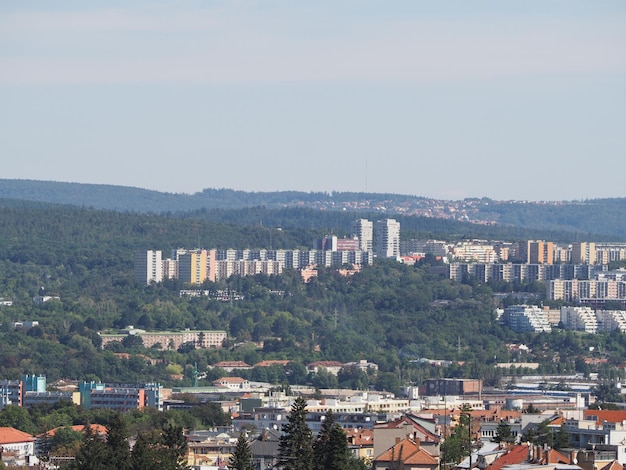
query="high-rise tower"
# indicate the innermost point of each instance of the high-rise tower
(363, 229)
(387, 238)
(148, 266)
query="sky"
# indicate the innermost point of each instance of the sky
(441, 99)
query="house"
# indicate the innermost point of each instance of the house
(230, 366)
(406, 454)
(331, 366)
(265, 449)
(232, 383)
(409, 427)
(525, 456)
(209, 451)
(17, 447)
(361, 443)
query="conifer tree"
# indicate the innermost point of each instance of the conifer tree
(330, 449)
(296, 446)
(93, 452)
(117, 443)
(241, 459)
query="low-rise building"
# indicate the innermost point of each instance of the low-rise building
(17, 445)
(203, 339)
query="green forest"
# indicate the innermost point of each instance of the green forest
(598, 219)
(390, 314)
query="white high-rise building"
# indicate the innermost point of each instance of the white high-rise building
(148, 266)
(363, 229)
(387, 238)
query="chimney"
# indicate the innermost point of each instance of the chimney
(398, 440)
(417, 442)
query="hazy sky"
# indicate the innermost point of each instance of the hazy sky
(447, 99)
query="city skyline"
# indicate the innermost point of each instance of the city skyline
(437, 99)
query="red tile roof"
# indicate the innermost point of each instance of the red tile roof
(612, 416)
(97, 428)
(516, 455)
(614, 465)
(272, 362)
(14, 436)
(554, 456)
(410, 452)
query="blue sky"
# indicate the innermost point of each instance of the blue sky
(507, 100)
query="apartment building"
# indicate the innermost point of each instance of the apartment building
(475, 250)
(192, 266)
(523, 318)
(120, 397)
(363, 230)
(579, 319)
(609, 320)
(387, 238)
(583, 252)
(204, 339)
(148, 266)
(593, 291)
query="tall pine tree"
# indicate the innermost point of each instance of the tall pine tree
(241, 459)
(93, 453)
(296, 442)
(330, 449)
(117, 442)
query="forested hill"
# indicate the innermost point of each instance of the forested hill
(590, 219)
(389, 313)
(129, 199)
(254, 227)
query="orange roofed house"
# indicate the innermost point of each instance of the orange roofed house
(406, 454)
(16, 445)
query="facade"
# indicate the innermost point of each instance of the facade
(477, 251)
(148, 266)
(38, 398)
(120, 397)
(387, 238)
(583, 252)
(11, 392)
(203, 339)
(232, 383)
(443, 387)
(17, 442)
(579, 319)
(523, 318)
(192, 266)
(540, 252)
(209, 451)
(593, 291)
(363, 230)
(609, 320)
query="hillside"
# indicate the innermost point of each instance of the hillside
(600, 219)
(389, 313)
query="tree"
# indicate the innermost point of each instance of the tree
(117, 442)
(296, 446)
(163, 449)
(241, 459)
(330, 449)
(457, 446)
(14, 416)
(561, 439)
(93, 453)
(65, 441)
(504, 433)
